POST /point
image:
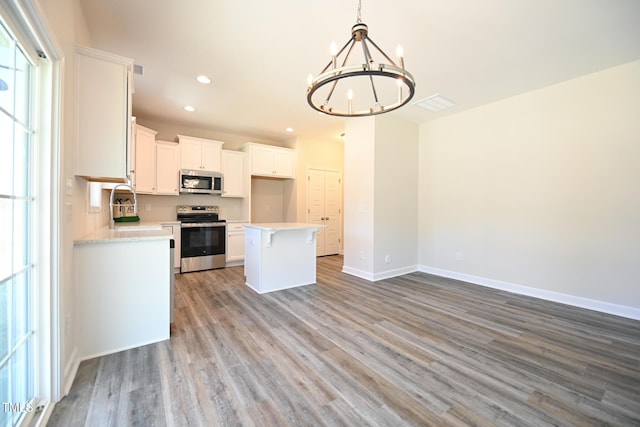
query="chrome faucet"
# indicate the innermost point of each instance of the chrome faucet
(112, 223)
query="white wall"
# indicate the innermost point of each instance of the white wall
(540, 191)
(380, 202)
(358, 196)
(267, 200)
(396, 204)
(65, 20)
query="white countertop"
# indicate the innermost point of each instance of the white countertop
(125, 232)
(278, 226)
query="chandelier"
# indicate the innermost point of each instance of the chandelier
(375, 85)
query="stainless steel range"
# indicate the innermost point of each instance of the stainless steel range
(203, 238)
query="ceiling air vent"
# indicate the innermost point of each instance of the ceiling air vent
(435, 103)
(137, 69)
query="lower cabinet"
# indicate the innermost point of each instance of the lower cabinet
(174, 228)
(235, 243)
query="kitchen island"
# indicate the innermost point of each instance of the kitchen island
(280, 255)
(123, 295)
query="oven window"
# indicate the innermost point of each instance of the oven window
(196, 182)
(202, 241)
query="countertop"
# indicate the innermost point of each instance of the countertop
(278, 226)
(125, 232)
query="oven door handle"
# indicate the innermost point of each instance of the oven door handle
(203, 224)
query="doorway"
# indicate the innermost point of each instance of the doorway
(324, 207)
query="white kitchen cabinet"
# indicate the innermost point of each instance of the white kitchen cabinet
(233, 173)
(174, 228)
(200, 154)
(235, 242)
(267, 160)
(103, 113)
(167, 168)
(144, 172)
(157, 164)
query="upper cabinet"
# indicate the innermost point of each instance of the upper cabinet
(143, 175)
(167, 168)
(157, 164)
(103, 112)
(267, 160)
(200, 154)
(233, 173)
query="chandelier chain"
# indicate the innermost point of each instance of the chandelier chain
(359, 17)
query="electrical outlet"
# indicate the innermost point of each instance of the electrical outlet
(458, 256)
(387, 259)
(147, 207)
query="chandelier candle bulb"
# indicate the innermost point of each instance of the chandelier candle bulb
(350, 97)
(334, 51)
(400, 53)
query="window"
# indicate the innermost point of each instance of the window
(17, 235)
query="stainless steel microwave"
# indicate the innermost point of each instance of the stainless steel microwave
(200, 182)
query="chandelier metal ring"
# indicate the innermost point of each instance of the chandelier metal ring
(384, 70)
(370, 99)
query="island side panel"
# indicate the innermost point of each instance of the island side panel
(123, 295)
(286, 258)
(252, 258)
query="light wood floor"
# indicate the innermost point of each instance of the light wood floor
(413, 350)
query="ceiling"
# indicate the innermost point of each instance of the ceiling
(259, 54)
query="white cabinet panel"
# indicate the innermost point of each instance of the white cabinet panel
(144, 175)
(267, 160)
(123, 295)
(167, 168)
(233, 173)
(103, 105)
(200, 154)
(174, 229)
(190, 154)
(235, 242)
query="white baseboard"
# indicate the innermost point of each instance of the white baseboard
(394, 273)
(374, 277)
(358, 273)
(576, 301)
(70, 372)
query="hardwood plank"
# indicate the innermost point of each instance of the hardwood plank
(412, 350)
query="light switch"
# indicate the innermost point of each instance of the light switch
(69, 187)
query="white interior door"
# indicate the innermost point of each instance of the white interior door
(324, 195)
(332, 212)
(315, 205)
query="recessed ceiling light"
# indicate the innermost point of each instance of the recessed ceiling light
(435, 103)
(203, 79)
(189, 108)
(289, 129)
